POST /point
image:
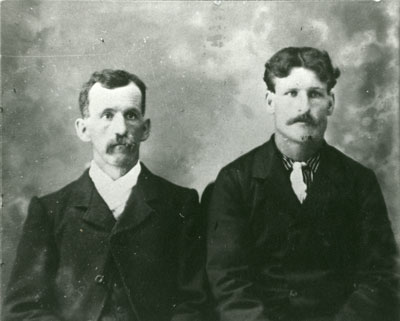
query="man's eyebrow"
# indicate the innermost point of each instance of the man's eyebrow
(106, 110)
(319, 88)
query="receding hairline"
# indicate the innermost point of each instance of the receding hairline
(99, 85)
(110, 78)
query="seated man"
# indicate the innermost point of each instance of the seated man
(119, 243)
(298, 230)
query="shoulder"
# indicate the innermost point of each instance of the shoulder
(351, 167)
(172, 188)
(348, 173)
(169, 198)
(246, 162)
(163, 187)
(72, 192)
(237, 177)
(50, 208)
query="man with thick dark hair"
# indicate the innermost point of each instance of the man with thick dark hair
(298, 230)
(119, 243)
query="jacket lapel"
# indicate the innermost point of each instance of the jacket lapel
(268, 167)
(328, 183)
(87, 199)
(138, 208)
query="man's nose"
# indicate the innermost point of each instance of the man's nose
(303, 104)
(118, 124)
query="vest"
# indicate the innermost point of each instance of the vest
(117, 306)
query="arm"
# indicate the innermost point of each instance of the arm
(228, 246)
(29, 294)
(191, 256)
(375, 290)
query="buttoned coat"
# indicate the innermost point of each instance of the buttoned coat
(272, 258)
(70, 235)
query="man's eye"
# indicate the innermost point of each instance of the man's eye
(131, 115)
(315, 94)
(108, 115)
(292, 93)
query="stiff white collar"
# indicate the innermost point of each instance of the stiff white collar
(114, 192)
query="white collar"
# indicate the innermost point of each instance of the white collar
(100, 177)
(114, 192)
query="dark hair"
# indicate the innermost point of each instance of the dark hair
(281, 63)
(110, 79)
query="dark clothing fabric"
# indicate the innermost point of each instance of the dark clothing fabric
(117, 306)
(271, 258)
(76, 262)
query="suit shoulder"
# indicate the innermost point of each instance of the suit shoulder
(60, 196)
(352, 171)
(351, 166)
(172, 195)
(245, 161)
(170, 188)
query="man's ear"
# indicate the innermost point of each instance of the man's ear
(270, 99)
(146, 129)
(81, 130)
(331, 103)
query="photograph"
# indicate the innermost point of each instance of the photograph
(200, 160)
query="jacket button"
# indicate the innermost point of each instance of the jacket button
(99, 279)
(293, 293)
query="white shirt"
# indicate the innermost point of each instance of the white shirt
(114, 192)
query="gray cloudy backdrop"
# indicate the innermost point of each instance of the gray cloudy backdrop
(203, 65)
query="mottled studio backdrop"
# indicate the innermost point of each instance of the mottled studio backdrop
(203, 65)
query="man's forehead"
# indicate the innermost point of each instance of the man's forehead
(129, 94)
(300, 77)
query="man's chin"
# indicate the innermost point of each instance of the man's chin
(305, 137)
(121, 160)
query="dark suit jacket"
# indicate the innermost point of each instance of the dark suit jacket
(272, 258)
(69, 236)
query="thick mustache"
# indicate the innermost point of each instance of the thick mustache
(129, 143)
(305, 118)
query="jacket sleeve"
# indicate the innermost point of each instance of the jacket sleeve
(29, 294)
(228, 246)
(375, 295)
(191, 255)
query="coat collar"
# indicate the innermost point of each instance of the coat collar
(268, 160)
(269, 169)
(329, 179)
(86, 197)
(140, 203)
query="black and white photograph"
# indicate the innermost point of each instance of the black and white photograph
(200, 160)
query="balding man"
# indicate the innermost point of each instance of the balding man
(119, 243)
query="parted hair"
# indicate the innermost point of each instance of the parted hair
(110, 79)
(282, 62)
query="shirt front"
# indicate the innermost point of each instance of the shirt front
(114, 192)
(310, 168)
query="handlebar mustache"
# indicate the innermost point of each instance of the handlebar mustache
(305, 118)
